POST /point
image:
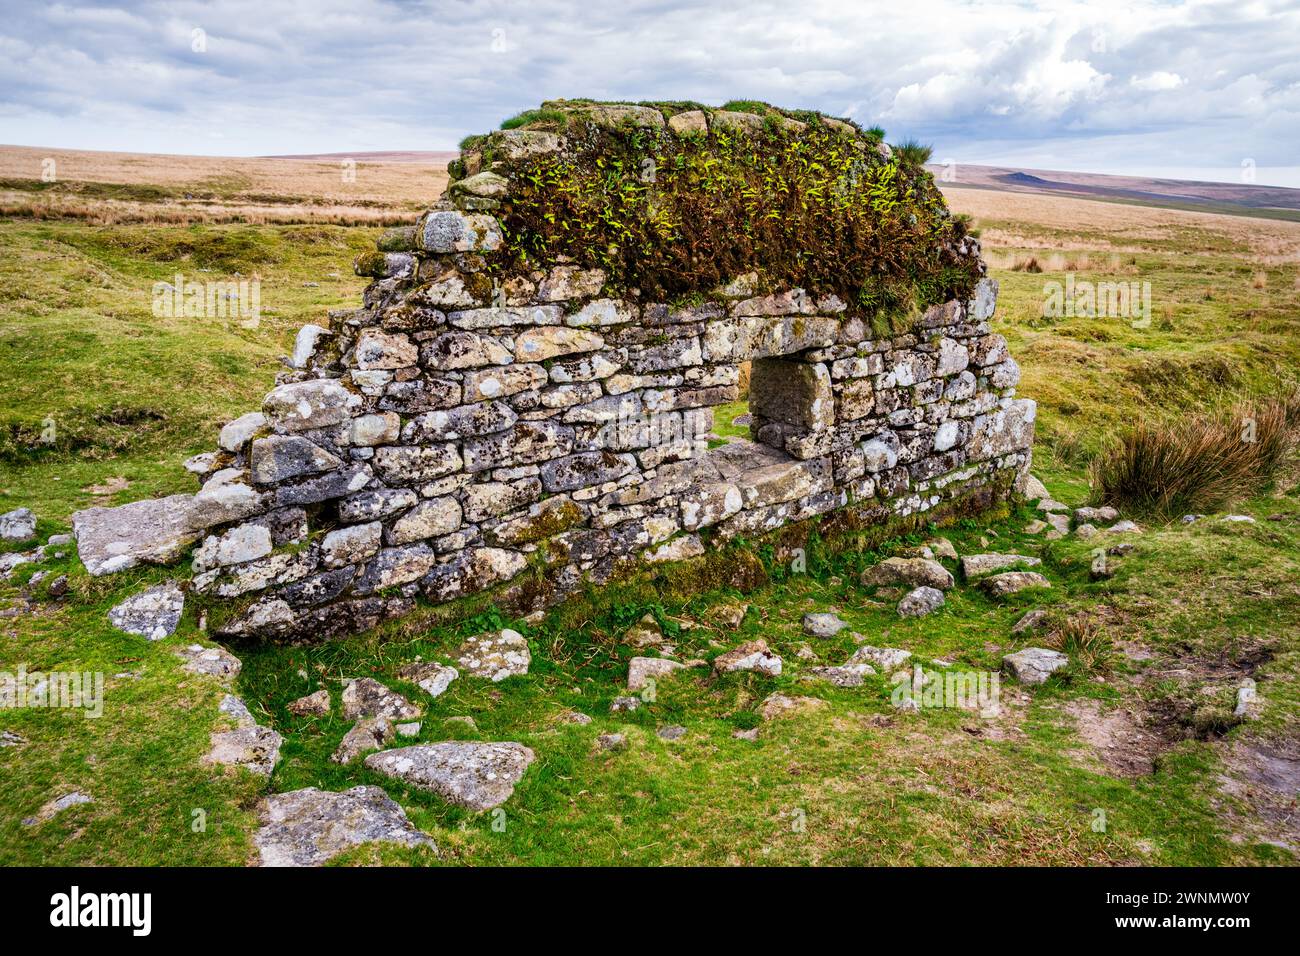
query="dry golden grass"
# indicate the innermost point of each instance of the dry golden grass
(107, 188)
(1018, 220)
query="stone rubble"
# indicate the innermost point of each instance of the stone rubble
(479, 776)
(152, 614)
(310, 827)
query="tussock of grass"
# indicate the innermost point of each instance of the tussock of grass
(1198, 463)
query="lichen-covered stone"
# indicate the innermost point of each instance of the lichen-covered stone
(478, 776)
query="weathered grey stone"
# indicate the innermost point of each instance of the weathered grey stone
(750, 656)
(978, 565)
(152, 614)
(428, 519)
(152, 531)
(479, 776)
(911, 572)
(380, 503)
(344, 546)
(585, 469)
(214, 661)
(256, 749)
(1034, 665)
(367, 734)
(316, 704)
(538, 345)
(18, 525)
(823, 624)
(366, 697)
(235, 435)
(310, 827)
(886, 658)
(278, 458)
(644, 671)
(779, 705)
(689, 122)
(431, 677)
(246, 542)
(495, 655)
(402, 464)
(451, 231)
(318, 403)
(1012, 582)
(920, 602)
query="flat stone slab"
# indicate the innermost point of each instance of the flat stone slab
(912, 572)
(1033, 665)
(366, 697)
(254, 748)
(215, 661)
(495, 655)
(750, 656)
(886, 658)
(1012, 582)
(781, 705)
(152, 531)
(309, 827)
(469, 774)
(641, 671)
(152, 614)
(978, 565)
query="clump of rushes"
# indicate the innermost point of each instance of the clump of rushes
(1199, 463)
(1085, 641)
(813, 206)
(913, 152)
(555, 118)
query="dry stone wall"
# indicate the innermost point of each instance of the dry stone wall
(465, 430)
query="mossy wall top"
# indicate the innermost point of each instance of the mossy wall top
(676, 200)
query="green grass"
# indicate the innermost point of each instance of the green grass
(853, 783)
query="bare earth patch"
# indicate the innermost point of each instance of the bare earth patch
(1117, 737)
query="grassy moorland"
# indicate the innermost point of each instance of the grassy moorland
(1137, 734)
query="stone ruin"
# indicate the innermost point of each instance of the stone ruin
(534, 430)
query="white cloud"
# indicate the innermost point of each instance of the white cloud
(1184, 82)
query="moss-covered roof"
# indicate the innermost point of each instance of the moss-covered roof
(677, 199)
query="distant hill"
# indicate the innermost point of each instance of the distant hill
(1269, 201)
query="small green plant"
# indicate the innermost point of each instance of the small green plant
(913, 153)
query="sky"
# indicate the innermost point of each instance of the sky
(1206, 89)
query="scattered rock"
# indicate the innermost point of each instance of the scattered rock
(469, 774)
(1095, 515)
(58, 587)
(1191, 519)
(56, 806)
(431, 677)
(942, 548)
(729, 615)
(1249, 703)
(977, 565)
(1238, 519)
(1035, 489)
(1121, 549)
(575, 717)
(920, 602)
(18, 525)
(674, 732)
(10, 739)
(465, 721)
(235, 708)
(641, 671)
(823, 625)
(910, 572)
(886, 658)
(624, 705)
(254, 748)
(216, 661)
(1124, 527)
(645, 633)
(1030, 622)
(751, 734)
(366, 697)
(495, 655)
(152, 614)
(1051, 505)
(408, 730)
(1012, 582)
(1086, 531)
(1060, 526)
(367, 734)
(779, 705)
(1036, 527)
(750, 656)
(839, 676)
(610, 742)
(1033, 665)
(309, 827)
(313, 705)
